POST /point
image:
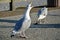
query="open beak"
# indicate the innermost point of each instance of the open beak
(31, 4)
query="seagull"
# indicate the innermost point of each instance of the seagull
(42, 13)
(23, 24)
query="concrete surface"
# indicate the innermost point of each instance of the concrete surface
(33, 34)
(53, 17)
(4, 6)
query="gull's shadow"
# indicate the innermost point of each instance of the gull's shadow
(37, 26)
(46, 26)
(32, 25)
(9, 21)
(6, 26)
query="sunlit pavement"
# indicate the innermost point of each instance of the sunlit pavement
(48, 31)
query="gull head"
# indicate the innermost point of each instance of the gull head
(30, 5)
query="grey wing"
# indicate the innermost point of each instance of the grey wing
(19, 24)
(26, 25)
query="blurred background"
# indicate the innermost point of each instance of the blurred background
(13, 4)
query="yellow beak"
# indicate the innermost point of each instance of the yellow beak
(30, 2)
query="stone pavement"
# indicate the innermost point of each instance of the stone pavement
(53, 17)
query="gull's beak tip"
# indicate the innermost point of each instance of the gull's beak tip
(30, 2)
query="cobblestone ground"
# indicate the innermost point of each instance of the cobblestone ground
(53, 17)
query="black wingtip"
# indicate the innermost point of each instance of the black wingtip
(35, 23)
(11, 36)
